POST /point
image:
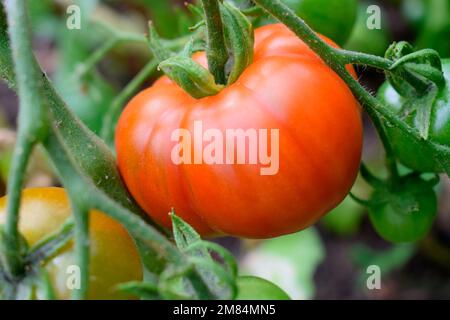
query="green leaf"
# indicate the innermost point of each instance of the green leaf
(424, 109)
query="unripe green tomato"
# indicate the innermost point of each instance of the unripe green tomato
(410, 152)
(332, 18)
(405, 213)
(254, 288)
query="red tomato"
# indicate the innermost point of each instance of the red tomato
(289, 88)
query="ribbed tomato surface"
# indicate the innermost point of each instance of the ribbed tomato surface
(287, 88)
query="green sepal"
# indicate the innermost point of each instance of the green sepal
(183, 233)
(191, 76)
(23, 249)
(239, 37)
(159, 51)
(412, 73)
(218, 274)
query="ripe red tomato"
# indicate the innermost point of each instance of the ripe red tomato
(289, 88)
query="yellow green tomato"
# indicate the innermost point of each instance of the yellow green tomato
(114, 258)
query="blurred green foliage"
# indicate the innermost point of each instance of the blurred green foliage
(90, 96)
(170, 19)
(289, 261)
(431, 20)
(332, 18)
(388, 260)
(363, 39)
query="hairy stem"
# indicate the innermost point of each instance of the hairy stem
(216, 50)
(81, 217)
(31, 124)
(20, 158)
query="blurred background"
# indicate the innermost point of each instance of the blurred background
(327, 261)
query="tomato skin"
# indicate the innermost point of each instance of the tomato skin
(114, 258)
(287, 88)
(399, 220)
(254, 288)
(411, 153)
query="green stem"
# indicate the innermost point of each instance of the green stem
(81, 217)
(32, 124)
(22, 151)
(390, 159)
(117, 39)
(108, 127)
(48, 247)
(216, 51)
(96, 57)
(351, 57)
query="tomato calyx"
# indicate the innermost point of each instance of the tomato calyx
(412, 72)
(418, 76)
(401, 209)
(192, 77)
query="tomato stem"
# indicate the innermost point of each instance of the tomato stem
(32, 126)
(216, 50)
(359, 58)
(81, 217)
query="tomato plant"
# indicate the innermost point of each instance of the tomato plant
(254, 288)
(193, 145)
(236, 199)
(412, 153)
(114, 258)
